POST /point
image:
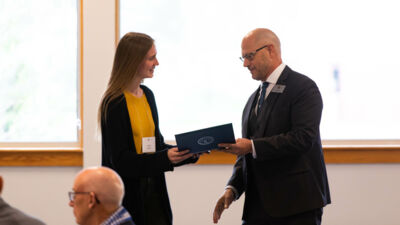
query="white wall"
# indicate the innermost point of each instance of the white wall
(361, 194)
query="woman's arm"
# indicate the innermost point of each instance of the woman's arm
(119, 150)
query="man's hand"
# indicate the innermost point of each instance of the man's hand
(241, 147)
(176, 156)
(223, 203)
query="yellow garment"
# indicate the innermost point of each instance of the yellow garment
(142, 122)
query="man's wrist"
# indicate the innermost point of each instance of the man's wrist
(234, 191)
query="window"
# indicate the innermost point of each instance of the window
(39, 88)
(339, 44)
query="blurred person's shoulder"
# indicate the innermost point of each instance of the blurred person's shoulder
(12, 216)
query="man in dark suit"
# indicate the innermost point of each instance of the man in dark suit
(280, 164)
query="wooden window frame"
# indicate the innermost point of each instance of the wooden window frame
(339, 152)
(43, 154)
(332, 154)
(347, 153)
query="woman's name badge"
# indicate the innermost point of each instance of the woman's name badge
(148, 144)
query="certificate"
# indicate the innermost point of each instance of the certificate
(205, 139)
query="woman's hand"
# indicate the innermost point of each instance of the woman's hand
(176, 156)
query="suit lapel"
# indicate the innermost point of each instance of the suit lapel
(269, 104)
(246, 113)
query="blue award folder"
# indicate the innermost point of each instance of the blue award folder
(205, 139)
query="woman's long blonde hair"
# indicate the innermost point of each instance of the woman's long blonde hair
(131, 50)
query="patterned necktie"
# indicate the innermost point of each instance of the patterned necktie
(262, 96)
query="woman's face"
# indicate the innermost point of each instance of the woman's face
(146, 69)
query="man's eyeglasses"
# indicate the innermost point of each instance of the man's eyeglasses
(250, 56)
(72, 194)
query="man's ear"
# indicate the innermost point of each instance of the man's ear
(1, 184)
(92, 201)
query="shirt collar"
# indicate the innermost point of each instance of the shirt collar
(119, 216)
(274, 76)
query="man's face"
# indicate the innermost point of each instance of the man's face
(259, 64)
(146, 69)
(80, 204)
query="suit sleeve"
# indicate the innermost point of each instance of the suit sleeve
(236, 179)
(120, 153)
(298, 125)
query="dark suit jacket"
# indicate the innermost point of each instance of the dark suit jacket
(119, 153)
(289, 172)
(130, 222)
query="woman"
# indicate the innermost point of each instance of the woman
(132, 144)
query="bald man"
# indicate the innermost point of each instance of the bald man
(280, 165)
(97, 196)
(13, 216)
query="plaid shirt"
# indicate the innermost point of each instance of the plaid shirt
(120, 216)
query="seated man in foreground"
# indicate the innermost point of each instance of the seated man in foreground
(97, 196)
